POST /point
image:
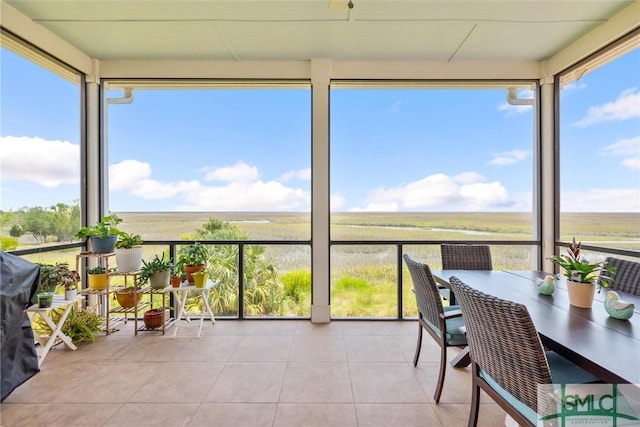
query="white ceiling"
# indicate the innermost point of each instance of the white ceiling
(239, 30)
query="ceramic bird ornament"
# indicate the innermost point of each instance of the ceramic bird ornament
(617, 308)
(547, 286)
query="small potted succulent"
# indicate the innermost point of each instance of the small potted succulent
(176, 275)
(156, 272)
(582, 275)
(128, 249)
(102, 235)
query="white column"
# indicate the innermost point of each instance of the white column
(92, 168)
(547, 172)
(320, 77)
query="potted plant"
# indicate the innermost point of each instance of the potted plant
(153, 318)
(582, 275)
(59, 274)
(156, 272)
(102, 235)
(128, 251)
(176, 275)
(97, 278)
(192, 258)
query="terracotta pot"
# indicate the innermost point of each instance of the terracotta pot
(176, 281)
(581, 294)
(189, 269)
(127, 297)
(153, 319)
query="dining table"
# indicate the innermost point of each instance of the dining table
(606, 347)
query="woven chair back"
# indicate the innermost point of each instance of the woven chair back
(503, 342)
(426, 290)
(627, 275)
(466, 257)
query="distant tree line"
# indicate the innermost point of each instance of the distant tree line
(56, 223)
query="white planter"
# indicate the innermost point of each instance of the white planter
(70, 294)
(129, 260)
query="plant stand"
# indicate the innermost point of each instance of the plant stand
(57, 336)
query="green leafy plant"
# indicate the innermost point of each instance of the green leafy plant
(59, 274)
(193, 254)
(578, 269)
(128, 240)
(156, 265)
(104, 228)
(80, 325)
(96, 270)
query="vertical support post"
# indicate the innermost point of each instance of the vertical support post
(548, 206)
(320, 215)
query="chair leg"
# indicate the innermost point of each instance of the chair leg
(475, 404)
(418, 346)
(443, 370)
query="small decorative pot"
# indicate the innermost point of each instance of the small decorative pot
(200, 278)
(153, 318)
(97, 282)
(190, 269)
(581, 294)
(70, 294)
(176, 281)
(45, 299)
(159, 280)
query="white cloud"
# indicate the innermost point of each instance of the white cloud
(395, 106)
(628, 148)
(134, 177)
(574, 86)
(240, 172)
(464, 192)
(509, 157)
(337, 201)
(625, 107)
(301, 174)
(602, 200)
(47, 163)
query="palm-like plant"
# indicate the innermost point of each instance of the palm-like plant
(578, 269)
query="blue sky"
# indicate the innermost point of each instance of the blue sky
(391, 149)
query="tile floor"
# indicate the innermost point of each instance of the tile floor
(248, 373)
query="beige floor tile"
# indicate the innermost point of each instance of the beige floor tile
(363, 348)
(385, 383)
(248, 382)
(263, 349)
(304, 327)
(318, 348)
(392, 414)
(179, 382)
(153, 414)
(364, 328)
(316, 382)
(315, 415)
(457, 382)
(234, 415)
(272, 327)
(457, 414)
(22, 414)
(229, 327)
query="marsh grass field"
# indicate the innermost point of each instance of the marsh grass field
(364, 276)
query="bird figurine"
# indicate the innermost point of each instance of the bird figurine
(617, 308)
(547, 286)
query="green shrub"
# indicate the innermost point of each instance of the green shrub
(297, 284)
(8, 243)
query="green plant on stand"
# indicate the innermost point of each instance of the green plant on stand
(155, 272)
(81, 325)
(103, 234)
(192, 258)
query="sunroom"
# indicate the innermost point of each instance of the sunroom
(334, 136)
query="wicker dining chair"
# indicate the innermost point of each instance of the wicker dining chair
(466, 257)
(444, 324)
(627, 275)
(508, 360)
